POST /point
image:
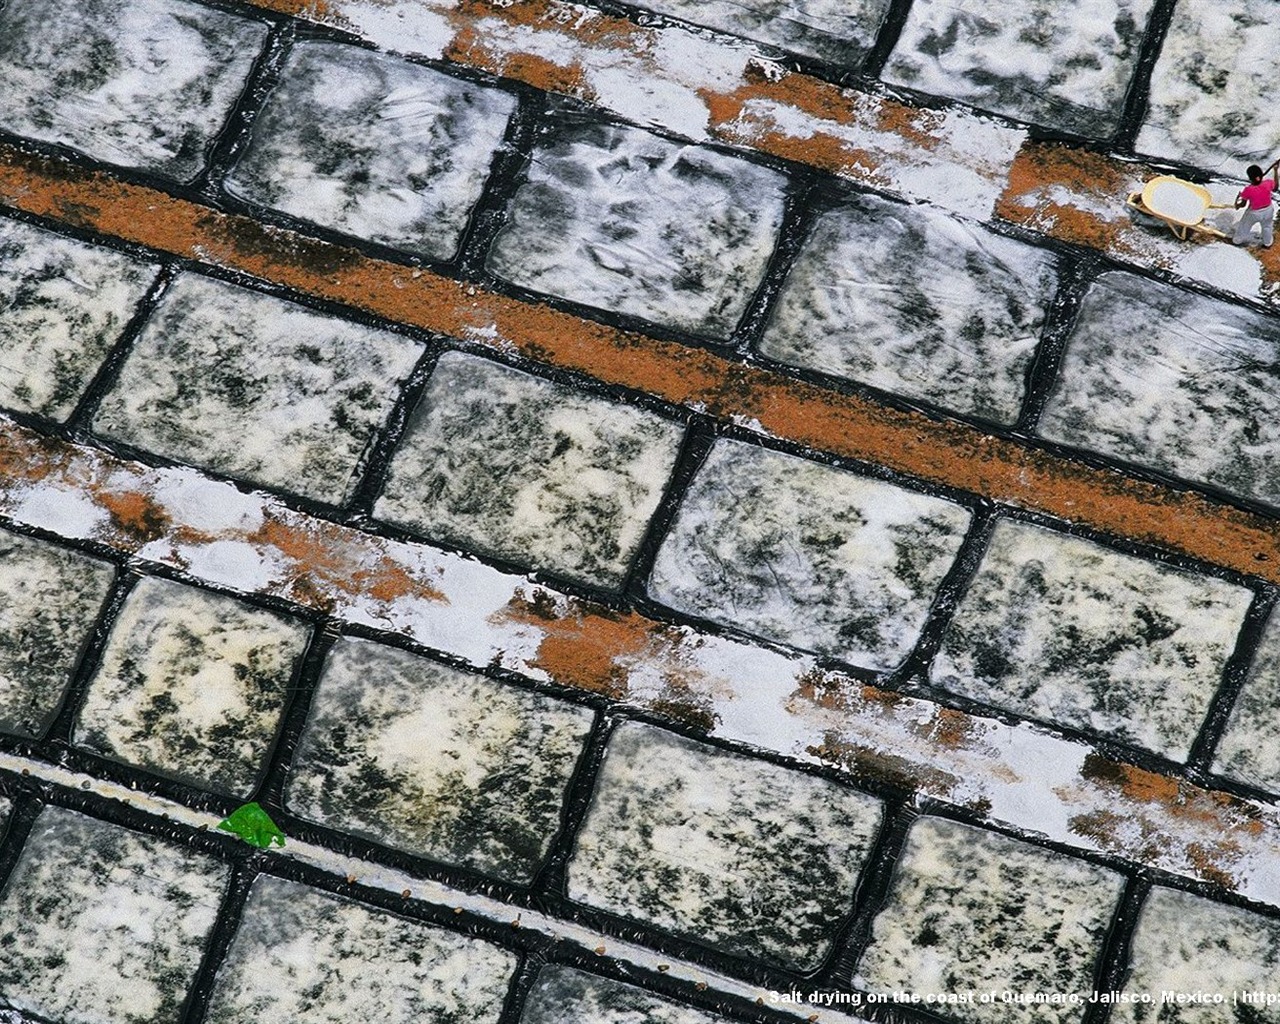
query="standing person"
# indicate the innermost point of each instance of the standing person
(1255, 200)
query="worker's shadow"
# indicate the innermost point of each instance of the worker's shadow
(1223, 220)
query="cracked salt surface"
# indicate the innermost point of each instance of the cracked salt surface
(1186, 943)
(915, 302)
(305, 391)
(49, 599)
(191, 686)
(839, 31)
(1204, 106)
(142, 83)
(754, 859)
(529, 470)
(443, 763)
(807, 555)
(1175, 381)
(973, 911)
(621, 219)
(63, 304)
(1070, 632)
(374, 147)
(308, 957)
(420, 28)
(100, 925)
(1065, 65)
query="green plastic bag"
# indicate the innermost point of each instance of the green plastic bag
(254, 825)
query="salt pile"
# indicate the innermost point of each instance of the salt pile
(1177, 201)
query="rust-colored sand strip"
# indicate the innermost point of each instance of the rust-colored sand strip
(942, 452)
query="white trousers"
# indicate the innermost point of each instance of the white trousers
(1244, 228)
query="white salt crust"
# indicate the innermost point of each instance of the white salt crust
(973, 911)
(63, 304)
(1174, 381)
(624, 220)
(50, 598)
(308, 957)
(191, 685)
(1064, 65)
(917, 302)
(1074, 633)
(1205, 106)
(529, 470)
(446, 764)
(562, 995)
(839, 31)
(1185, 943)
(1247, 751)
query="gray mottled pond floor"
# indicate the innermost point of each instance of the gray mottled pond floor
(143, 83)
(304, 390)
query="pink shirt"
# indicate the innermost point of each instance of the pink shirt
(1258, 196)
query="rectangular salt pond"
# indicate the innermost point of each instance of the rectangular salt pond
(1205, 85)
(1065, 66)
(1172, 381)
(629, 222)
(917, 302)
